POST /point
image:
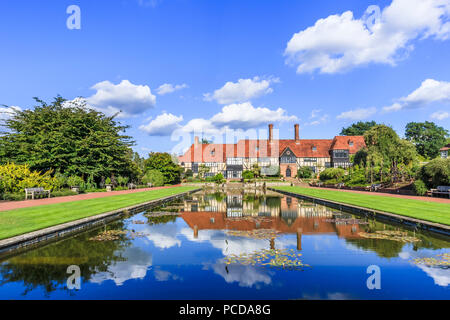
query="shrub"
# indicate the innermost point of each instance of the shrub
(332, 174)
(14, 196)
(304, 173)
(218, 178)
(188, 173)
(15, 178)
(420, 188)
(122, 181)
(248, 175)
(75, 181)
(435, 173)
(108, 181)
(154, 177)
(60, 180)
(63, 193)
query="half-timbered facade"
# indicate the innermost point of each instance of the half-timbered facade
(271, 155)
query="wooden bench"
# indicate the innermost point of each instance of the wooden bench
(441, 191)
(36, 192)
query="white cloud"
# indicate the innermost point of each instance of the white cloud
(440, 115)
(162, 125)
(235, 116)
(170, 88)
(131, 99)
(340, 42)
(357, 114)
(245, 115)
(243, 90)
(430, 91)
(7, 112)
(317, 118)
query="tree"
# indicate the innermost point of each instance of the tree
(427, 137)
(154, 177)
(248, 175)
(435, 173)
(203, 170)
(358, 129)
(386, 149)
(68, 137)
(163, 163)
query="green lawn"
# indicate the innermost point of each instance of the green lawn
(20, 221)
(430, 211)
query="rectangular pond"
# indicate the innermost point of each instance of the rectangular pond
(236, 245)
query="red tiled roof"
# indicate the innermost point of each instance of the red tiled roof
(447, 147)
(314, 148)
(343, 143)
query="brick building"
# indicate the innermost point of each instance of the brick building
(272, 155)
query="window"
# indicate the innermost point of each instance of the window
(350, 143)
(340, 154)
(310, 159)
(288, 159)
(213, 152)
(235, 161)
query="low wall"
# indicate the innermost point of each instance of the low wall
(370, 213)
(40, 237)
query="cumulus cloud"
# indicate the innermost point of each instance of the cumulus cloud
(440, 115)
(235, 116)
(341, 42)
(125, 97)
(430, 91)
(357, 114)
(245, 116)
(243, 90)
(167, 88)
(162, 125)
(7, 112)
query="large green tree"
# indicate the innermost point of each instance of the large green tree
(385, 150)
(358, 129)
(68, 137)
(164, 163)
(427, 137)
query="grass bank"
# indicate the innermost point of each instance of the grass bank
(20, 221)
(429, 211)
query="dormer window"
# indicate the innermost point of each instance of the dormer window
(213, 152)
(314, 148)
(350, 143)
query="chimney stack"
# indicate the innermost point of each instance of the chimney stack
(196, 141)
(270, 132)
(297, 136)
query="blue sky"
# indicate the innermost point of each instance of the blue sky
(230, 64)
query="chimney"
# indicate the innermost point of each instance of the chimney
(297, 137)
(196, 141)
(270, 132)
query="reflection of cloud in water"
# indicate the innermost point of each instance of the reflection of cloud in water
(235, 245)
(162, 275)
(440, 276)
(135, 265)
(246, 276)
(163, 236)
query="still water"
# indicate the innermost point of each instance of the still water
(235, 246)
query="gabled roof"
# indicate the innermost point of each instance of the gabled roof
(447, 147)
(305, 148)
(351, 143)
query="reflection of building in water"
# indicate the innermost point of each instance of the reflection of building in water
(242, 213)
